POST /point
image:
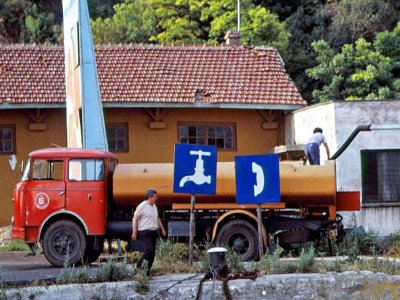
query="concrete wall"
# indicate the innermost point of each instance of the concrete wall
(145, 144)
(338, 120)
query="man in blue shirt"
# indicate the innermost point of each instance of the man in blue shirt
(311, 149)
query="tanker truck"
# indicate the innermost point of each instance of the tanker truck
(71, 200)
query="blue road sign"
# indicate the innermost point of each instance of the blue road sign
(257, 179)
(195, 169)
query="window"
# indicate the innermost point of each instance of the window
(380, 175)
(117, 137)
(48, 169)
(86, 170)
(221, 135)
(7, 139)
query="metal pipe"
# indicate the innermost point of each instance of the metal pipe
(363, 128)
(350, 139)
(385, 127)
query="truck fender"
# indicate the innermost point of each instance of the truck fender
(55, 215)
(237, 212)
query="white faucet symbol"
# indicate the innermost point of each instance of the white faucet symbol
(198, 177)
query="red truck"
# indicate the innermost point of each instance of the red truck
(70, 200)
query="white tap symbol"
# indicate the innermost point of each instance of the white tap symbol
(198, 177)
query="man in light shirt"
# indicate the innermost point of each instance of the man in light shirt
(311, 149)
(145, 227)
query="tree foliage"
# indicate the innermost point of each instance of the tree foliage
(354, 19)
(132, 22)
(362, 70)
(23, 21)
(356, 56)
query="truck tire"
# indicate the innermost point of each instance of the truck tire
(63, 236)
(241, 236)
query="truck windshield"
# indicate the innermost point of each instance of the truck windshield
(25, 175)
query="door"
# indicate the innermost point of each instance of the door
(45, 193)
(86, 193)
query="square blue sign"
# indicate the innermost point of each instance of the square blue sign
(257, 179)
(195, 169)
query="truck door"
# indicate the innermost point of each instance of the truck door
(45, 193)
(86, 192)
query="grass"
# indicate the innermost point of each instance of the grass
(15, 245)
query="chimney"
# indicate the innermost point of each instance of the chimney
(232, 38)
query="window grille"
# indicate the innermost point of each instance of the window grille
(380, 176)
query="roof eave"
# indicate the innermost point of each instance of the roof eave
(285, 107)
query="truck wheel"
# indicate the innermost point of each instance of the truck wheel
(241, 236)
(63, 236)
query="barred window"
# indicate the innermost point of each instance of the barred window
(221, 135)
(7, 139)
(117, 137)
(380, 176)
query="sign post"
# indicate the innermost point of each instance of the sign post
(191, 228)
(259, 230)
(257, 182)
(195, 172)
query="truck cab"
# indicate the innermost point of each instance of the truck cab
(62, 200)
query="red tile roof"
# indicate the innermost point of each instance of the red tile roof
(153, 74)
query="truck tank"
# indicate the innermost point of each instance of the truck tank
(301, 185)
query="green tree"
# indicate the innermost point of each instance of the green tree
(358, 71)
(304, 26)
(258, 25)
(12, 20)
(133, 22)
(354, 19)
(264, 28)
(23, 21)
(179, 21)
(101, 8)
(41, 26)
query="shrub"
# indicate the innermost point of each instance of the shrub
(233, 261)
(113, 271)
(358, 242)
(173, 258)
(271, 264)
(306, 259)
(391, 244)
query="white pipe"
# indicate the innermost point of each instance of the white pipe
(385, 127)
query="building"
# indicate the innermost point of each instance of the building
(371, 163)
(153, 97)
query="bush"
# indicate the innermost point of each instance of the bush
(306, 259)
(173, 258)
(233, 261)
(113, 271)
(358, 242)
(271, 264)
(391, 244)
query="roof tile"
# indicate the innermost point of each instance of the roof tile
(138, 73)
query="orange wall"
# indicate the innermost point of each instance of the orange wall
(26, 141)
(145, 144)
(157, 145)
